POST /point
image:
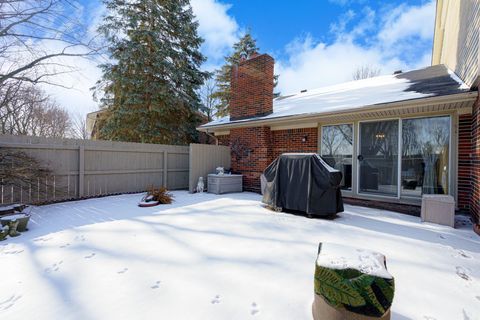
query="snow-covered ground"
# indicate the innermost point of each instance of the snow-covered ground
(221, 257)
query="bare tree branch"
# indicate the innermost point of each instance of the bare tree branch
(365, 71)
(79, 127)
(210, 102)
(34, 34)
(26, 110)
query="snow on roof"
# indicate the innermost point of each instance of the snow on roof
(354, 95)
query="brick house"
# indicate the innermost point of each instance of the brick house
(393, 137)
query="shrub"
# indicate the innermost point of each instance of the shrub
(160, 194)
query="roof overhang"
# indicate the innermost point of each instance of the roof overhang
(461, 103)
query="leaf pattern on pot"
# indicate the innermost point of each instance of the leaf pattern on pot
(357, 292)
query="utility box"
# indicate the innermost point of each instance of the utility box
(438, 209)
(224, 183)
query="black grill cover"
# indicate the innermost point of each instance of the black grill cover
(303, 182)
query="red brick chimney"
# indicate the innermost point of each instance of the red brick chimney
(252, 87)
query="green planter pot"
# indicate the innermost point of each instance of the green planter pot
(22, 219)
(3, 233)
(351, 283)
(12, 231)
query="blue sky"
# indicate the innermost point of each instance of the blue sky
(275, 23)
(314, 43)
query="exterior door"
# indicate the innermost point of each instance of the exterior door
(378, 158)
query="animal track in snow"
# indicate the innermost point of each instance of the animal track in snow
(13, 251)
(65, 245)
(54, 267)
(461, 253)
(43, 239)
(156, 285)
(442, 236)
(255, 309)
(463, 273)
(465, 315)
(91, 255)
(123, 270)
(429, 318)
(216, 299)
(80, 238)
(6, 304)
(478, 298)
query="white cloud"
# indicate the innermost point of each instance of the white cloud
(313, 65)
(216, 26)
(381, 42)
(404, 22)
(77, 96)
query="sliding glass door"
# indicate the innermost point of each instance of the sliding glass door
(378, 158)
(400, 158)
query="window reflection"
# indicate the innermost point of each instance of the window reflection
(379, 157)
(337, 150)
(425, 156)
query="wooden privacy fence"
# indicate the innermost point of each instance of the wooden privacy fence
(86, 168)
(204, 159)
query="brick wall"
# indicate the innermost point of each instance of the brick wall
(223, 140)
(284, 141)
(252, 88)
(253, 149)
(475, 177)
(251, 154)
(464, 162)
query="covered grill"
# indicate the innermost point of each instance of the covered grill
(303, 182)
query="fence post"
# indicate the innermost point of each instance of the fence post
(165, 168)
(81, 170)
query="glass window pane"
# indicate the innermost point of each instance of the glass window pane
(379, 157)
(425, 156)
(337, 150)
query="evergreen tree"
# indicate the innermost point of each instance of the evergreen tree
(150, 86)
(244, 48)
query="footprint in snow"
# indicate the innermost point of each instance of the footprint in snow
(442, 236)
(54, 267)
(463, 273)
(65, 245)
(465, 315)
(13, 251)
(123, 270)
(91, 255)
(461, 253)
(216, 300)
(255, 309)
(156, 285)
(43, 239)
(80, 238)
(8, 303)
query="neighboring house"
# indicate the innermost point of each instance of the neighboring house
(92, 123)
(394, 137)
